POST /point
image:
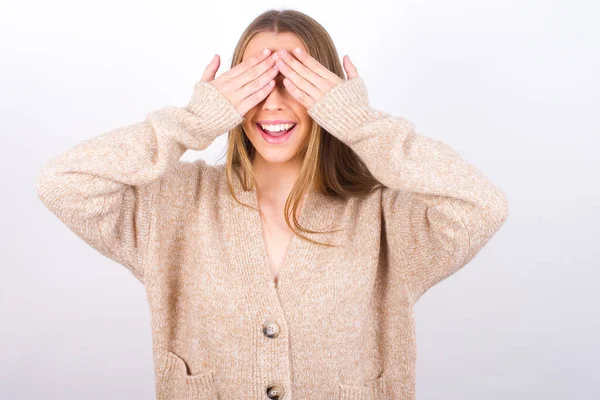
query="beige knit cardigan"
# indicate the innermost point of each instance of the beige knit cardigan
(339, 323)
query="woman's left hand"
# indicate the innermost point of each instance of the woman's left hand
(308, 80)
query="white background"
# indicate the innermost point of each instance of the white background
(511, 85)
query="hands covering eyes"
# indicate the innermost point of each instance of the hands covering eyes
(251, 81)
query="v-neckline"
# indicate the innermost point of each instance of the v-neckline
(302, 260)
(289, 244)
(291, 247)
(254, 230)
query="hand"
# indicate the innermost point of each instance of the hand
(308, 80)
(246, 84)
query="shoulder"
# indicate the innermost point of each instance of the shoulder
(392, 198)
(188, 180)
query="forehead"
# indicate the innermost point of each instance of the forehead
(272, 41)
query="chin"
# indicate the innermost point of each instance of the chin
(276, 157)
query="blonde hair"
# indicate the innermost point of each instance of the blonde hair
(328, 165)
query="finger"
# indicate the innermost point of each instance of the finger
(299, 82)
(303, 71)
(256, 97)
(247, 64)
(304, 99)
(252, 74)
(315, 66)
(211, 69)
(258, 82)
(351, 71)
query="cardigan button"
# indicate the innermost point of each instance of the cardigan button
(275, 392)
(271, 329)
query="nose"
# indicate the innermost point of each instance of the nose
(275, 100)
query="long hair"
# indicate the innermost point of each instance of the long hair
(329, 166)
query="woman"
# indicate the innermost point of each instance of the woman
(291, 271)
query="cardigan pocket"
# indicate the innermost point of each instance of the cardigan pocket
(374, 389)
(177, 384)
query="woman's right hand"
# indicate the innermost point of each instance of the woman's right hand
(246, 84)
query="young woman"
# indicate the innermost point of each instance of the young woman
(290, 271)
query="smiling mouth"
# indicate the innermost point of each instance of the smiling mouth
(275, 134)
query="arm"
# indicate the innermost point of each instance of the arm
(438, 209)
(104, 188)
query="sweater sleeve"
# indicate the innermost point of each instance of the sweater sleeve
(438, 209)
(105, 187)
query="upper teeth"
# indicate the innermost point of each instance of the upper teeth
(276, 128)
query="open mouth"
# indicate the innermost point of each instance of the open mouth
(276, 137)
(275, 134)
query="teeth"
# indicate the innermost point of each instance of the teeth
(277, 128)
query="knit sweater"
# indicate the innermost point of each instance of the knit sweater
(339, 324)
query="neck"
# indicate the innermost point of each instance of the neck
(275, 180)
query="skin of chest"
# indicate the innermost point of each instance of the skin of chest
(276, 235)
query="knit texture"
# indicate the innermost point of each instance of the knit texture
(345, 314)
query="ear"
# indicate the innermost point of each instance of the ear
(351, 71)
